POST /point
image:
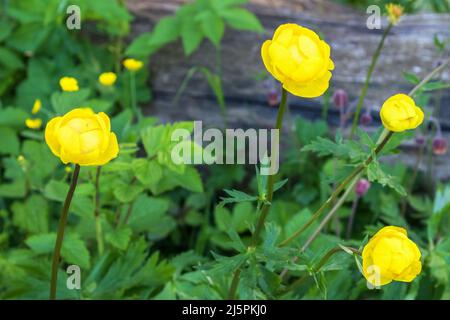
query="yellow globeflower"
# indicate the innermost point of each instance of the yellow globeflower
(69, 84)
(400, 113)
(82, 137)
(107, 78)
(132, 64)
(33, 123)
(394, 11)
(36, 106)
(390, 255)
(299, 59)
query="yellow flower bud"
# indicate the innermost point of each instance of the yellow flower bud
(69, 84)
(391, 255)
(21, 160)
(299, 59)
(82, 137)
(36, 106)
(400, 113)
(107, 78)
(132, 64)
(33, 123)
(394, 11)
(68, 169)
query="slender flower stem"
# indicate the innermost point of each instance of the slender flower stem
(387, 135)
(60, 234)
(98, 222)
(134, 107)
(368, 77)
(271, 178)
(234, 284)
(331, 213)
(317, 268)
(352, 217)
(269, 197)
(429, 77)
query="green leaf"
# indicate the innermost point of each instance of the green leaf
(396, 140)
(278, 185)
(32, 215)
(165, 31)
(222, 217)
(119, 238)
(13, 117)
(148, 172)
(74, 250)
(149, 215)
(154, 139)
(212, 26)
(241, 19)
(243, 216)
(64, 102)
(441, 208)
(6, 27)
(126, 192)
(375, 173)
(411, 77)
(10, 60)
(236, 196)
(16, 189)
(190, 179)
(56, 190)
(223, 4)
(191, 36)
(9, 143)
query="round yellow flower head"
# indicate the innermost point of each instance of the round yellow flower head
(36, 106)
(33, 123)
(400, 113)
(82, 137)
(390, 255)
(107, 78)
(394, 11)
(69, 84)
(132, 64)
(299, 59)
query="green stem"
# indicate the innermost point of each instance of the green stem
(387, 135)
(331, 213)
(60, 234)
(269, 197)
(98, 222)
(321, 263)
(234, 284)
(134, 107)
(271, 178)
(368, 77)
(429, 77)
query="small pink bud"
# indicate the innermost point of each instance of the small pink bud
(366, 119)
(273, 98)
(420, 140)
(440, 145)
(361, 187)
(340, 98)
